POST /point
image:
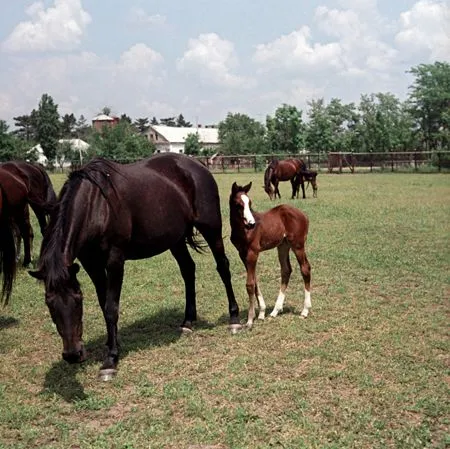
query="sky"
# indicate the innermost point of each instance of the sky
(205, 59)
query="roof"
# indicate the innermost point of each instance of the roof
(178, 135)
(103, 118)
(76, 144)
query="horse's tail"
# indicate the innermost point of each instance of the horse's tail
(194, 240)
(267, 177)
(8, 262)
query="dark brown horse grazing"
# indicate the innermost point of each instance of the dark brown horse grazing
(109, 213)
(308, 176)
(13, 207)
(285, 170)
(283, 227)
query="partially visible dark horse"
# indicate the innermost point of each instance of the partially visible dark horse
(285, 170)
(41, 192)
(109, 213)
(40, 196)
(13, 207)
(283, 227)
(309, 176)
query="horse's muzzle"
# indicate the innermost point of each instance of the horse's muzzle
(75, 356)
(250, 225)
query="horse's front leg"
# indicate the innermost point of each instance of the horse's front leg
(250, 264)
(26, 232)
(114, 279)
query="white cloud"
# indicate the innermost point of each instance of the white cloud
(424, 31)
(295, 51)
(138, 16)
(212, 59)
(140, 57)
(59, 27)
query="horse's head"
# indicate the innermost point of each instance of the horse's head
(65, 303)
(240, 204)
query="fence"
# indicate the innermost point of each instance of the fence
(424, 161)
(336, 162)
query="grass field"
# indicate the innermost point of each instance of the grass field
(368, 369)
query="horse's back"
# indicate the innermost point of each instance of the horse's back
(13, 187)
(288, 220)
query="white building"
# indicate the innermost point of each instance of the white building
(79, 146)
(172, 139)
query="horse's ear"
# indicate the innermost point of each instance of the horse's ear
(234, 188)
(74, 269)
(37, 275)
(247, 187)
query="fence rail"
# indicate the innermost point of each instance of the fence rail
(424, 161)
(337, 162)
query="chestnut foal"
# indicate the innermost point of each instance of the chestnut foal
(283, 227)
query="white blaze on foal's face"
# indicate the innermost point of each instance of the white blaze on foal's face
(248, 216)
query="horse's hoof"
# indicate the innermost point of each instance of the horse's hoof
(186, 330)
(235, 328)
(107, 374)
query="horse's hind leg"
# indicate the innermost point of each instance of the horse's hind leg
(305, 268)
(187, 268)
(213, 237)
(286, 270)
(26, 231)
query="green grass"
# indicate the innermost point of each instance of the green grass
(367, 369)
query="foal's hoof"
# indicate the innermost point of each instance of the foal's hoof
(107, 374)
(235, 328)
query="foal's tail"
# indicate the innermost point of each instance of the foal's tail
(8, 262)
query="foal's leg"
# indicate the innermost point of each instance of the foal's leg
(250, 265)
(187, 268)
(286, 270)
(261, 302)
(305, 268)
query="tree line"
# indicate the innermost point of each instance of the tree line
(379, 123)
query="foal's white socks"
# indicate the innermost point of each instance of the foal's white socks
(280, 301)
(306, 304)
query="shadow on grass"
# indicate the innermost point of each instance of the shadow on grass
(8, 321)
(152, 331)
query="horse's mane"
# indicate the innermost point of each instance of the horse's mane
(51, 261)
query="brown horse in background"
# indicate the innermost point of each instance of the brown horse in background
(309, 176)
(285, 170)
(283, 227)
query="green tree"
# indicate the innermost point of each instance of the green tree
(429, 100)
(68, 126)
(240, 134)
(11, 147)
(319, 131)
(64, 154)
(120, 142)
(48, 127)
(141, 124)
(125, 118)
(285, 131)
(154, 121)
(192, 145)
(106, 110)
(82, 129)
(182, 123)
(168, 121)
(26, 126)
